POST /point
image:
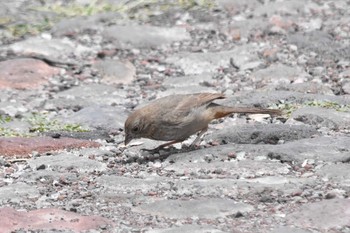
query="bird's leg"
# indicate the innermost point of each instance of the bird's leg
(194, 143)
(162, 146)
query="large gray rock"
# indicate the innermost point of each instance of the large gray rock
(243, 57)
(322, 117)
(246, 168)
(188, 80)
(58, 50)
(306, 87)
(321, 43)
(279, 73)
(286, 229)
(333, 149)
(86, 95)
(76, 25)
(201, 208)
(188, 229)
(67, 161)
(279, 8)
(323, 215)
(119, 184)
(144, 36)
(338, 173)
(263, 133)
(99, 117)
(266, 98)
(17, 192)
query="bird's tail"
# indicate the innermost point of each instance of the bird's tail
(222, 111)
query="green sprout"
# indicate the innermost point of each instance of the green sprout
(39, 123)
(288, 108)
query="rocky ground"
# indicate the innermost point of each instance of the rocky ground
(72, 71)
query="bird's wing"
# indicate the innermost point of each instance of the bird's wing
(185, 105)
(197, 100)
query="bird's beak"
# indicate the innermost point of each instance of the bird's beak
(128, 138)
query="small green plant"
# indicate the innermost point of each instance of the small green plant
(73, 9)
(330, 105)
(5, 132)
(288, 108)
(40, 123)
(22, 29)
(188, 4)
(5, 119)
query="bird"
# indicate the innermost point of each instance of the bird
(175, 118)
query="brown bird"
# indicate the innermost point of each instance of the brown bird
(174, 118)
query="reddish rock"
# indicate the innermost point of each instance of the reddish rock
(45, 219)
(25, 73)
(270, 52)
(23, 147)
(280, 22)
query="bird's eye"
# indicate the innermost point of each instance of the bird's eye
(135, 129)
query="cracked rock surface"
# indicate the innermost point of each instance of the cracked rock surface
(72, 71)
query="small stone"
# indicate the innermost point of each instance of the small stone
(41, 167)
(346, 88)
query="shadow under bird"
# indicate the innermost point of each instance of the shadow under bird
(174, 118)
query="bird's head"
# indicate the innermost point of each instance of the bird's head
(134, 126)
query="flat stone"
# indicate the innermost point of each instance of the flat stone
(23, 147)
(198, 63)
(243, 169)
(75, 25)
(321, 43)
(323, 117)
(116, 72)
(13, 109)
(93, 90)
(89, 135)
(221, 152)
(323, 215)
(197, 83)
(188, 229)
(129, 189)
(47, 219)
(185, 90)
(262, 133)
(58, 50)
(202, 208)
(279, 8)
(68, 161)
(188, 80)
(100, 117)
(25, 73)
(244, 28)
(236, 187)
(306, 87)
(279, 73)
(87, 95)
(286, 229)
(331, 149)
(338, 173)
(266, 98)
(144, 36)
(238, 5)
(346, 88)
(120, 184)
(17, 192)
